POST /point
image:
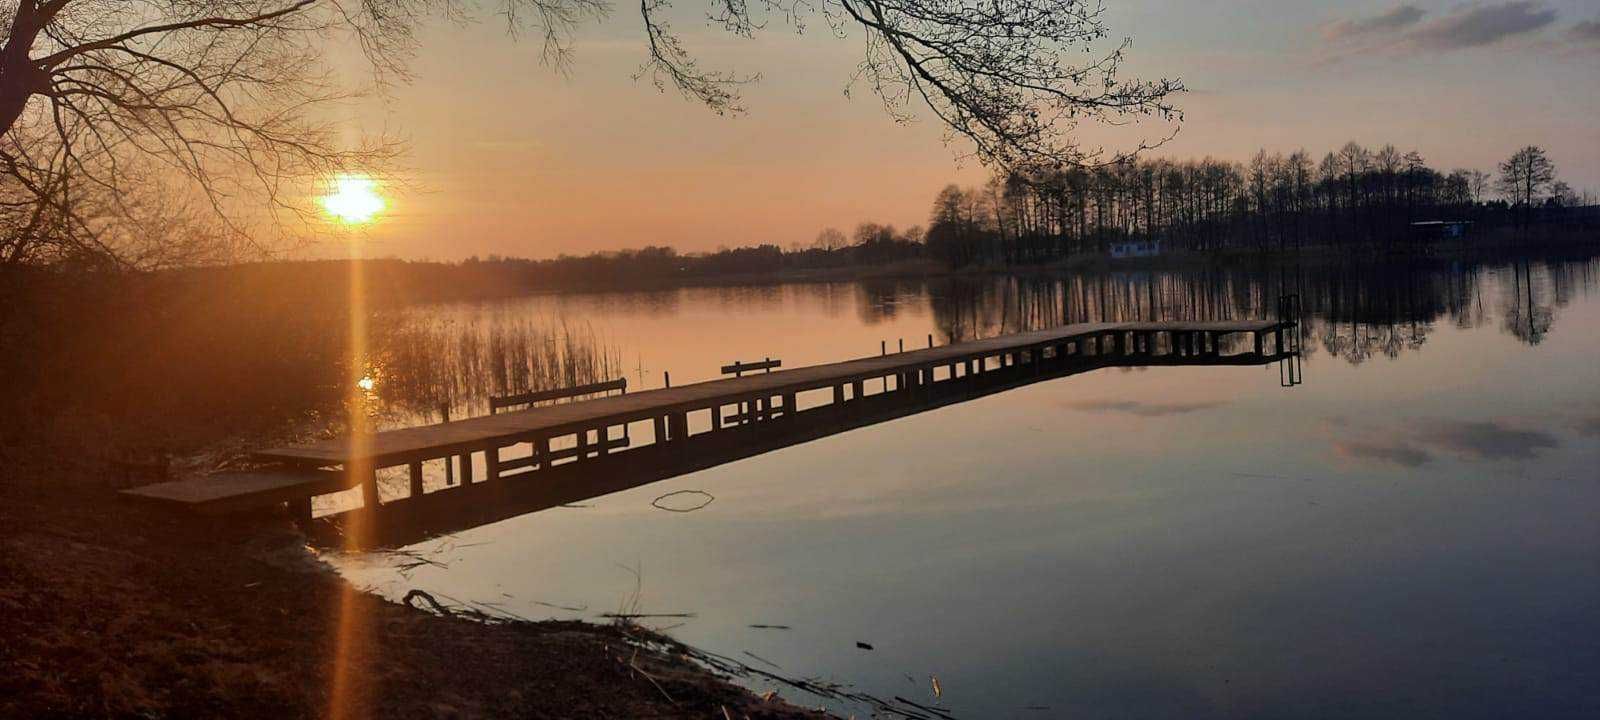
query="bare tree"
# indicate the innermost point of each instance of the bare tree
(1478, 181)
(114, 113)
(830, 239)
(1526, 174)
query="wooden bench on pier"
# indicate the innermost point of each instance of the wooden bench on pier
(497, 402)
(585, 426)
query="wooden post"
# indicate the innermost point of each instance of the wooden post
(491, 462)
(678, 425)
(858, 389)
(788, 404)
(716, 417)
(661, 428)
(466, 468)
(300, 511)
(930, 339)
(541, 447)
(449, 465)
(416, 479)
(583, 444)
(603, 434)
(369, 489)
(1256, 337)
(838, 395)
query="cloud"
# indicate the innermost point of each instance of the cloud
(1426, 439)
(1479, 24)
(1401, 16)
(1487, 440)
(1408, 30)
(1400, 453)
(1585, 33)
(1141, 409)
(1589, 426)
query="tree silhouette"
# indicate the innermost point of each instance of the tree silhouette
(1525, 175)
(119, 113)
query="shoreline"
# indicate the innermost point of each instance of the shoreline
(110, 609)
(1098, 263)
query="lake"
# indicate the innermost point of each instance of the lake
(1413, 530)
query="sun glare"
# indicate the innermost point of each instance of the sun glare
(354, 200)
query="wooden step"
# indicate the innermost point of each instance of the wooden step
(239, 491)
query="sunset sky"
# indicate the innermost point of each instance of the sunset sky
(509, 157)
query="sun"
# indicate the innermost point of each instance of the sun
(354, 200)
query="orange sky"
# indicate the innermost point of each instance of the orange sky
(508, 157)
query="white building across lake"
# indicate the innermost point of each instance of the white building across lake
(1136, 248)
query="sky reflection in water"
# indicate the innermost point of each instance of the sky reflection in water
(1412, 532)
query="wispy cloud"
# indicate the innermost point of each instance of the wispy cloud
(1143, 409)
(1391, 451)
(1398, 18)
(1585, 33)
(1426, 439)
(1478, 25)
(1488, 440)
(1407, 29)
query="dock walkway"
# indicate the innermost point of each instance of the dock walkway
(585, 427)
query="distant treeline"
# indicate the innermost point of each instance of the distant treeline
(1352, 200)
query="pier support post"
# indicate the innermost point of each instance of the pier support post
(858, 390)
(660, 423)
(788, 405)
(541, 446)
(466, 468)
(369, 489)
(300, 512)
(416, 479)
(716, 417)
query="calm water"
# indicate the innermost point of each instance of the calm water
(1414, 531)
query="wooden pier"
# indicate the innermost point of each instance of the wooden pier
(558, 435)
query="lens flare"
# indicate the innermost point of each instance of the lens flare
(354, 200)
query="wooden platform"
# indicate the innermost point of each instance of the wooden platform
(237, 491)
(397, 447)
(754, 397)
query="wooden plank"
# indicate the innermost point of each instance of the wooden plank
(404, 445)
(553, 455)
(245, 490)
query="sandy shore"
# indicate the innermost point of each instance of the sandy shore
(114, 609)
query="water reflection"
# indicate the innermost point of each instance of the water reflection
(419, 515)
(1411, 533)
(461, 354)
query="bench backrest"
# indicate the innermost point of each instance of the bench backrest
(530, 398)
(740, 368)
